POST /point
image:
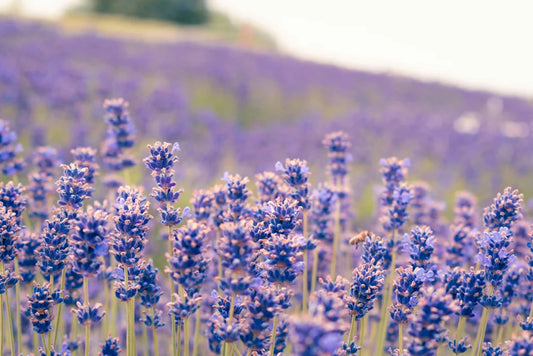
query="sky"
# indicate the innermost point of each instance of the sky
(476, 44)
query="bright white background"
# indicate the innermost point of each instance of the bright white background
(479, 44)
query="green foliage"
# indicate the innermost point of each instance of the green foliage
(188, 12)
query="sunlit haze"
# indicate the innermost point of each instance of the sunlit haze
(477, 44)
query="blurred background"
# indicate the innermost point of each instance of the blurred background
(242, 84)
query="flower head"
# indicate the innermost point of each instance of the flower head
(55, 247)
(394, 173)
(237, 194)
(495, 255)
(120, 135)
(420, 244)
(39, 309)
(314, 336)
(111, 347)
(337, 144)
(269, 187)
(131, 221)
(426, 326)
(295, 173)
(89, 240)
(368, 279)
(9, 150)
(9, 229)
(85, 157)
(72, 186)
(189, 262)
(147, 280)
(88, 315)
(504, 211)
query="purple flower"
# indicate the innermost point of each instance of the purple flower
(295, 173)
(504, 211)
(89, 240)
(337, 144)
(426, 326)
(368, 279)
(495, 255)
(189, 262)
(72, 187)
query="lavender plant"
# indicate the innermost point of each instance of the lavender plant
(238, 263)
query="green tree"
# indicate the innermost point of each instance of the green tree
(189, 12)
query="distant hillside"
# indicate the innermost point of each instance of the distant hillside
(219, 29)
(236, 109)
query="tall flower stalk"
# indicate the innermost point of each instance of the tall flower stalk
(161, 162)
(394, 201)
(127, 245)
(495, 255)
(295, 173)
(73, 189)
(88, 246)
(337, 144)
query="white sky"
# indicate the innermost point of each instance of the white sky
(474, 43)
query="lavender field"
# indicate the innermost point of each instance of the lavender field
(199, 199)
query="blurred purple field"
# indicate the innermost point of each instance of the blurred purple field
(231, 106)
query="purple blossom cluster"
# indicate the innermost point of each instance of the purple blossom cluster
(238, 278)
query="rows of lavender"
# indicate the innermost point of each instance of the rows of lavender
(244, 106)
(275, 272)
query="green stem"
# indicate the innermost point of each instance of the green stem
(74, 333)
(59, 307)
(483, 327)
(336, 236)
(2, 322)
(174, 342)
(353, 329)
(273, 345)
(460, 329)
(35, 341)
(154, 335)
(46, 348)
(9, 318)
(500, 334)
(128, 330)
(19, 316)
(306, 267)
(197, 332)
(186, 337)
(231, 309)
(112, 325)
(131, 306)
(170, 248)
(51, 289)
(234, 349)
(173, 327)
(179, 340)
(10, 325)
(219, 260)
(105, 325)
(400, 337)
(386, 301)
(362, 332)
(145, 340)
(315, 269)
(88, 325)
